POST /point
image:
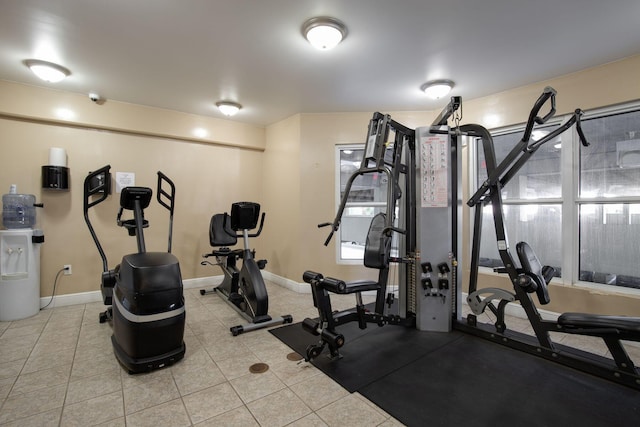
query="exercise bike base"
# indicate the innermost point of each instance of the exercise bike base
(239, 329)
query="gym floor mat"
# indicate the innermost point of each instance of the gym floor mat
(448, 379)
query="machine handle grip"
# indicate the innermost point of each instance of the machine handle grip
(547, 93)
(326, 242)
(583, 139)
(324, 224)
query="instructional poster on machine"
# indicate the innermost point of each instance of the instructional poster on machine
(434, 163)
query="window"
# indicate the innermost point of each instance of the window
(609, 200)
(532, 200)
(593, 191)
(367, 197)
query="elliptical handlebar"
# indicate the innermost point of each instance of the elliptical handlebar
(98, 182)
(170, 196)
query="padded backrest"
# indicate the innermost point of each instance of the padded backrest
(378, 244)
(531, 265)
(244, 215)
(219, 234)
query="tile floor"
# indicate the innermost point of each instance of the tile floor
(58, 369)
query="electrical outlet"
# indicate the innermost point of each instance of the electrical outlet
(67, 269)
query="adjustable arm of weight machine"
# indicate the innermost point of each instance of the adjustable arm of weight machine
(521, 152)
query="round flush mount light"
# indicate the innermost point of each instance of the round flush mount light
(436, 89)
(228, 108)
(47, 71)
(323, 32)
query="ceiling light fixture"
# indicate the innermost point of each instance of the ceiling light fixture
(47, 71)
(323, 32)
(436, 89)
(228, 108)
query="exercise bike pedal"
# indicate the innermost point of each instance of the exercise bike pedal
(262, 263)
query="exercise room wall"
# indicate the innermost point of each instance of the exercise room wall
(208, 177)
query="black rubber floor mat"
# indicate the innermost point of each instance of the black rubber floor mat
(450, 379)
(368, 354)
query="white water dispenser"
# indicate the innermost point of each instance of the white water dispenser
(19, 257)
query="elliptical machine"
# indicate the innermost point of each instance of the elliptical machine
(144, 292)
(243, 288)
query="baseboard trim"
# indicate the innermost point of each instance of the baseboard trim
(301, 288)
(198, 282)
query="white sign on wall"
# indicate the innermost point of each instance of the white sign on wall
(125, 179)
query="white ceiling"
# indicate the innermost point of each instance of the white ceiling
(185, 55)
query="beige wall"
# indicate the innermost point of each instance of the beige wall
(281, 188)
(287, 167)
(209, 175)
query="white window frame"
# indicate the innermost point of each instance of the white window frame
(570, 200)
(337, 192)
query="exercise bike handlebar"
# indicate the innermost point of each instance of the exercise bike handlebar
(101, 189)
(256, 234)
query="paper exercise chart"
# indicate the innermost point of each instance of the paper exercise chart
(434, 163)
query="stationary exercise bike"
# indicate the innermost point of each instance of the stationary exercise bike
(144, 292)
(243, 288)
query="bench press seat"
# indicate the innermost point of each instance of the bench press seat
(630, 325)
(358, 286)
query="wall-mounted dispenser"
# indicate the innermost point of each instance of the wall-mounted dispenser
(55, 176)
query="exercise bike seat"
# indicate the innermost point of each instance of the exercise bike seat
(595, 321)
(227, 252)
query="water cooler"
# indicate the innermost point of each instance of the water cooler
(19, 257)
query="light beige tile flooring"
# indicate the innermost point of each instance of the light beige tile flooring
(58, 369)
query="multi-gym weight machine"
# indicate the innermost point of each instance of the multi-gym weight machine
(424, 171)
(421, 220)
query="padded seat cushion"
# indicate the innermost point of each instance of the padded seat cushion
(227, 252)
(593, 321)
(361, 285)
